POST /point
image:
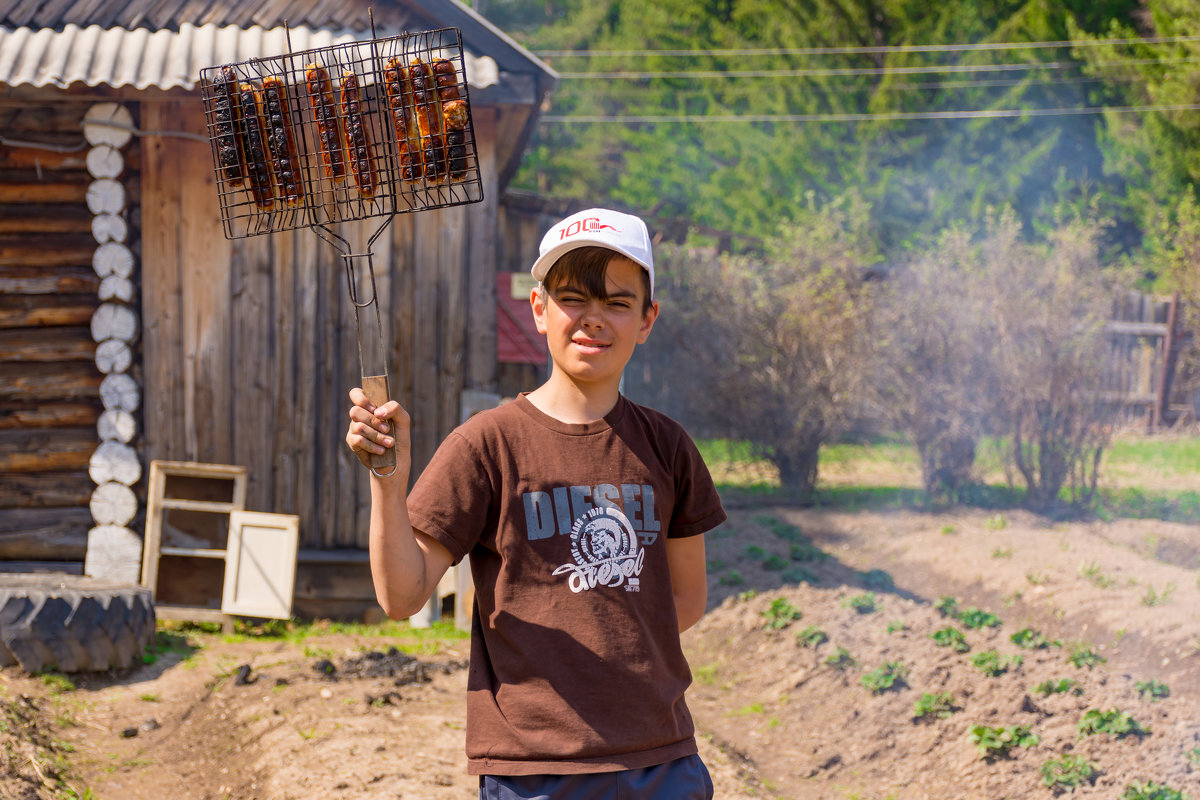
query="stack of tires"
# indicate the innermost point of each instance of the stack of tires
(73, 624)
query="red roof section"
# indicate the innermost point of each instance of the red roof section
(517, 338)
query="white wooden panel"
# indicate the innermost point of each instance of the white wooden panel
(260, 564)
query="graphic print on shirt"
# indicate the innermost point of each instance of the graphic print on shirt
(606, 552)
(555, 511)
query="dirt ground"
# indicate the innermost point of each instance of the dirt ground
(780, 715)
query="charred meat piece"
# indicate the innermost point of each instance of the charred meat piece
(329, 127)
(358, 140)
(285, 159)
(227, 124)
(254, 146)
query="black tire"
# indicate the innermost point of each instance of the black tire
(73, 624)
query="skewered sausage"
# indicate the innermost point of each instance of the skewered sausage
(455, 118)
(399, 93)
(329, 127)
(358, 140)
(228, 122)
(285, 160)
(257, 172)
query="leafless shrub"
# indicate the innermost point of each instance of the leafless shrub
(773, 349)
(1048, 305)
(934, 378)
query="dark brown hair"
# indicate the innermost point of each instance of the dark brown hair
(585, 267)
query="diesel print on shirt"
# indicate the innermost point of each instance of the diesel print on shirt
(560, 509)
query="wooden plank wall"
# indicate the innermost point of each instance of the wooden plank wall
(49, 385)
(250, 345)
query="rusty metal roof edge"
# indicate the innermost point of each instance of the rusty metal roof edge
(163, 59)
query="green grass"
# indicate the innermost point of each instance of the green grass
(738, 470)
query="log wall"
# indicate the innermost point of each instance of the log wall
(49, 384)
(249, 346)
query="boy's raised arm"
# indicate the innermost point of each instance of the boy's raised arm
(406, 565)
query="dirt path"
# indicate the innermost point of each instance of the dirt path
(776, 719)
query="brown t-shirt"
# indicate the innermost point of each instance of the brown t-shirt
(576, 664)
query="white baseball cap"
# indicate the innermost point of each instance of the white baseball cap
(596, 227)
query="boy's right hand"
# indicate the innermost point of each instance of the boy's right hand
(369, 431)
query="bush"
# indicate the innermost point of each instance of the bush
(780, 614)
(940, 705)
(1151, 791)
(1114, 722)
(950, 637)
(772, 350)
(1068, 773)
(999, 741)
(891, 675)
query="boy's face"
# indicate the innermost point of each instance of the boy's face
(591, 340)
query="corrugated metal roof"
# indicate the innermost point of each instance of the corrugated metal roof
(163, 58)
(316, 14)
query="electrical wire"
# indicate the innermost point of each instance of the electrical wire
(865, 71)
(897, 116)
(865, 50)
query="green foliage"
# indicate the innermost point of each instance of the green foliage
(754, 552)
(1094, 574)
(1114, 722)
(56, 682)
(996, 522)
(862, 603)
(811, 637)
(1151, 791)
(940, 705)
(1153, 690)
(841, 660)
(950, 637)
(947, 606)
(896, 625)
(974, 618)
(1154, 598)
(1031, 639)
(1061, 686)
(891, 675)
(774, 563)
(1083, 656)
(992, 664)
(1193, 756)
(997, 742)
(780, 614)
(806, 551)
(1068, 773)
(732, 578)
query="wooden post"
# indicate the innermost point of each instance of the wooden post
(1166, 368)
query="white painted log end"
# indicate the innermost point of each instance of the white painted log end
(114, 462)
(108, 123)
(109, 228)
(112, 258)
(116, 426)
(105, 161)
(106, 196)
(114, 553)
(115, 287)
(114, 321)
(119, 392)
(113, 504)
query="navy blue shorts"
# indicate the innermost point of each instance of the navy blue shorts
(683, 779)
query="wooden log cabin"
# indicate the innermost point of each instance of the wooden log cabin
(132, 330)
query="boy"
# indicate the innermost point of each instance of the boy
(582, 514)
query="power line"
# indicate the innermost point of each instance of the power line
(864, 71)
(639, 91)
(867, 50)
(897, 116)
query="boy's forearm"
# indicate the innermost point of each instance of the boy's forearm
(398, 566)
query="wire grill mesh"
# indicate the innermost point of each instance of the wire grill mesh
(340, 133)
